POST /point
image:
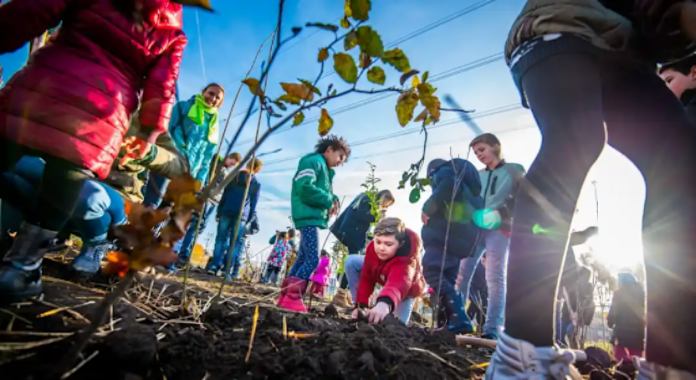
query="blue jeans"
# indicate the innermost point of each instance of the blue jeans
(496, 250)
(155, 189)
(187, 243)
(223, 245)
(352, 269)
(99, 206)
(308, 255)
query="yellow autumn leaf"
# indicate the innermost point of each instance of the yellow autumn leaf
(298, 90)
(376, 75)
(360, 9)
(428, 100)
(421, 116)
(346, 9)
(325, 122)
(289, 99)
(323, 55)
(253, 85)
(297, 119)
(404, 107)
(415, 81)
(398, 59)
(345, 24)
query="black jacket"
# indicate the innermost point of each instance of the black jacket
(352, 225)
(626, 315)
(688, 99)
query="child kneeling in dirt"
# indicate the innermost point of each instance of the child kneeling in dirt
(460, 233)
(313, 203)
(392, 260)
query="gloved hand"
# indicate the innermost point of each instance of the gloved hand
(487, 219)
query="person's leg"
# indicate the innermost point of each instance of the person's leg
(187, 242)
(344, 281)
(496, 276)
(467, 268)
(647, 124)
(403, 311)
(352, 268)
(237, 251)
(221, 239)
(98, 208)
(568, 111)
(155, 189)
(295, 284)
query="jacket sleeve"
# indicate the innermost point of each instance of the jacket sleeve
(398, 284)
(254, 198)
(204, 169)
(310, 193)
(442, 194)
(21, 21)
(366, 285)
(160, 90)
(168, 162)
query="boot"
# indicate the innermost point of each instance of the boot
(651, 371)
(517, 359)
(292, 301)
(20, 274)
(88, 262)
(458, 321)
(342, 299)
(283, 290)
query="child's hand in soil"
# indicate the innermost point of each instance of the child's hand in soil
(377, 313)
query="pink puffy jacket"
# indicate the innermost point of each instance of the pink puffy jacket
(75, 97)
(321, 274)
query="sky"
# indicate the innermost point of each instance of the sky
(462, 52)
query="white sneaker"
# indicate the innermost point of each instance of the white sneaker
(650, 371)
(520, 360)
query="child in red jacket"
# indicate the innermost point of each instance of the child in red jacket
(392, 260)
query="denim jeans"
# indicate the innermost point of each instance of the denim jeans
(308, 255)
(187, 243)
(496, 250)
(353, 266)
(155, 189)
(223, 244)
(99, 206)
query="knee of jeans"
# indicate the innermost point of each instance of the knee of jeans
(94, 200)
(355, 262)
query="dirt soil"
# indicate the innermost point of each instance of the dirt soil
(148, 336)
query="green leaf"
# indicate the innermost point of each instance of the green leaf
(425, 181)
(298, 118)
(376, 75)
(323, 55)
(415, 195)
(425, 77)
(370, 42)
(350, 41)
(329, 27)
(407, 75)
(333, 93)
(345, 67)
(310, 86)
(253, 85)
(360, 9)
(325, 122)
(280, 105)
(289, 99)
(398, 59)
(345, 24)
(404, 107)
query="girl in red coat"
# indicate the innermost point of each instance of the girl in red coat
(392, 260)
(72, 103)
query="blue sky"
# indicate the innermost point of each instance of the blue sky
(231, 36)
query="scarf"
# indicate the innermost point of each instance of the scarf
(197, 114)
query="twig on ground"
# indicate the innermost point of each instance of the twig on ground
(17, 358)
(16, 316)
(77, 367)
(73, 313)
(178, 322)
(435, 357)
(285, 328)
(473, 341)
(60, 281)
(253, 332)
(61, 309)
(14, 346)
(37, 333)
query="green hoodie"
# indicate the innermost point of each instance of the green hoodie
(312, 195)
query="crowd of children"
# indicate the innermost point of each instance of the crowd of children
(94, 109)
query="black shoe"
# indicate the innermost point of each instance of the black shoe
(17, 285)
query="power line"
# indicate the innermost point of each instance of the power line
(372, 99)
(200, 47)
(442, 124)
